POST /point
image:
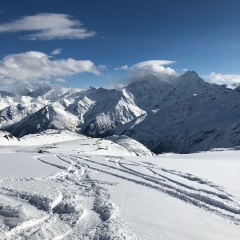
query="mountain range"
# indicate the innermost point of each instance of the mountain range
(183, 114)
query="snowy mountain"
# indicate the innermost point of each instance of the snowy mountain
(101, 110)
(194, 116)
(181, 114)
(149, 92)
(93, 112)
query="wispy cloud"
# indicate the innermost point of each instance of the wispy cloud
(37, 65)
(102, 68)
(56, 51)
(115, 86)
(218, 78)
(48, 26)
(125, 67)
(61, 80)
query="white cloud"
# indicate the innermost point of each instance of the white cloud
(115, 86)
(56, 51)
(48, 26)
(102, 68)
(125, 67)
(61, 80)
(152, 63)
(37, 65)
(222, 78)
(144, 69)
(185, 70)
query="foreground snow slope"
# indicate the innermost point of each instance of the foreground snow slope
(96, 189)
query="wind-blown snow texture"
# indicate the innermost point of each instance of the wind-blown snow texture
(184, 114)
(97, 189)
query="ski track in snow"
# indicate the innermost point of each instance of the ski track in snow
(216, 201)
(65, 205)
(71, 204)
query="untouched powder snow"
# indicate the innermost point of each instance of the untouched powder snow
(131, 145)
(87, 188)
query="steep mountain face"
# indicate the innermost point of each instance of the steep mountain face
(49, 117)
(182, 114)
(15, 113)
(15, 107)
(93, 112)
(107, 110)
(149, 92)
(195, 116)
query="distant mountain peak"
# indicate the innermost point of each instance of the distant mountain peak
(153, 80)
(190, 74)
(191, 78)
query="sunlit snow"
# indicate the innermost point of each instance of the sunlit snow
(62, 185)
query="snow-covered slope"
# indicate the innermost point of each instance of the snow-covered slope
(131, 145)
(51, 116)
(101, 110)
(96, 189)
(7, 138)
(181, 114)
(94, 112)
(66, 141)
(50, 136)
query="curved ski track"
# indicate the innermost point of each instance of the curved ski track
(65, 205)
(207, 195)
(72, 204)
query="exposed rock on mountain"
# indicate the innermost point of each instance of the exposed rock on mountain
(181, 114)
(194, 116)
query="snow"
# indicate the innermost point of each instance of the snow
(223, 167)
(93, 188)
(131, 145)
(51, 136)
(22, 165)
(183, 114)
(58, 184)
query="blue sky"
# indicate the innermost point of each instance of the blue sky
(199, 35)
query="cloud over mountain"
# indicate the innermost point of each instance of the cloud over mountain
(144, 69)
(48, 26)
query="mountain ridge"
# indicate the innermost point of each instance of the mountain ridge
(182, 114)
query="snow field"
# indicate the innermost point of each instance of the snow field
(97, 189)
